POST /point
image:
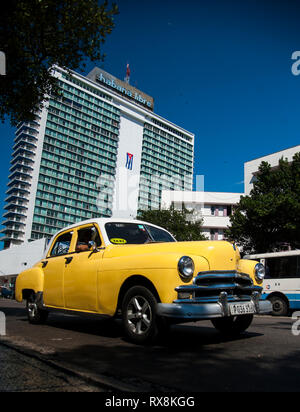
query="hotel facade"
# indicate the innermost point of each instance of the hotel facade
(96, 150)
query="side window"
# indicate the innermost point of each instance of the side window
(282, 267)
(86, 235)
(62, 244)
(159, 235)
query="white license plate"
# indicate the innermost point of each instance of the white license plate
(241, 308)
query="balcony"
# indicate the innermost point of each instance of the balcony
(12, 220)
(13, 212)
(26, 144)
(13, 240)
(24, 152)
(21, 167)
(30, 127)
(26, 137)
(26, 149)
(15, 204)
(21, 160)
(216, 221)
(15, 197)
(12, 228)
(17, 187)
(20, 172)
(18, 179)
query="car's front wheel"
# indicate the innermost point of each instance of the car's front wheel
(232, 325)
(139, 315)
(34, 313)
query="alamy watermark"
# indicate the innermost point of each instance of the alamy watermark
(2, 64)
(2, 324)
(296, 324)
(296, 65)
(121, 194)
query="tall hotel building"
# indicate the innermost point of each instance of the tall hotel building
(99, 139)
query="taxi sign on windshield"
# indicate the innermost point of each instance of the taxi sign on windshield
(118, 241)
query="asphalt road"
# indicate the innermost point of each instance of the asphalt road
(20, 373)
(192, 358)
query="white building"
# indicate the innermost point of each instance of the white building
(216, 207)
(251, 167)
(213, 207)
(97, 150)
(18, 258)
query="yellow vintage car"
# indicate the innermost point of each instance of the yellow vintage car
(137, 270)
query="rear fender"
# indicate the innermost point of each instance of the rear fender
(30, 279)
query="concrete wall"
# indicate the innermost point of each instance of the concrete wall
(18, 258)
(251, 167)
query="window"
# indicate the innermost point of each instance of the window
(159, 235)
(213, 234)
(283, 267)
(62, 244)
(86, 235)
(134, 233)
(130, 233)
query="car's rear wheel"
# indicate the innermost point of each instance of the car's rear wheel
(34, 313)
(232, 325)
(139, 318)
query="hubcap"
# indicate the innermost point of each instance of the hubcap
(139, 315)
(32, 309)
(277, 306)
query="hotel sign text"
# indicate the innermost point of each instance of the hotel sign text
(124, 88)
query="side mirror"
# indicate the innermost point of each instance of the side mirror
(92, 245)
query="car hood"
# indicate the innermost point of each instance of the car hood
(221, 255)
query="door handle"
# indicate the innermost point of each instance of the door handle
(68, 259)
(44, 263)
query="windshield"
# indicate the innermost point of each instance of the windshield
(134, 233)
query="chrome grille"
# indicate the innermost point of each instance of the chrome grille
(207, 287)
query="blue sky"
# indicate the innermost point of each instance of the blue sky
(220, 69)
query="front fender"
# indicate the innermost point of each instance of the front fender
(247, 266)
(30, 279)
(160, 270)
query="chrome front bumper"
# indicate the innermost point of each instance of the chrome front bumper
(200, 311)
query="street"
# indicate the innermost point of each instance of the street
(21, 373)
(192, 358)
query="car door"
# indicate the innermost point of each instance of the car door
(81, 272)
(54, 267)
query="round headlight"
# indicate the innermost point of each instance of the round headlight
(259, 272)
(186, 268)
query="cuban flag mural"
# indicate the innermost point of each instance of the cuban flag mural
(129, 161)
